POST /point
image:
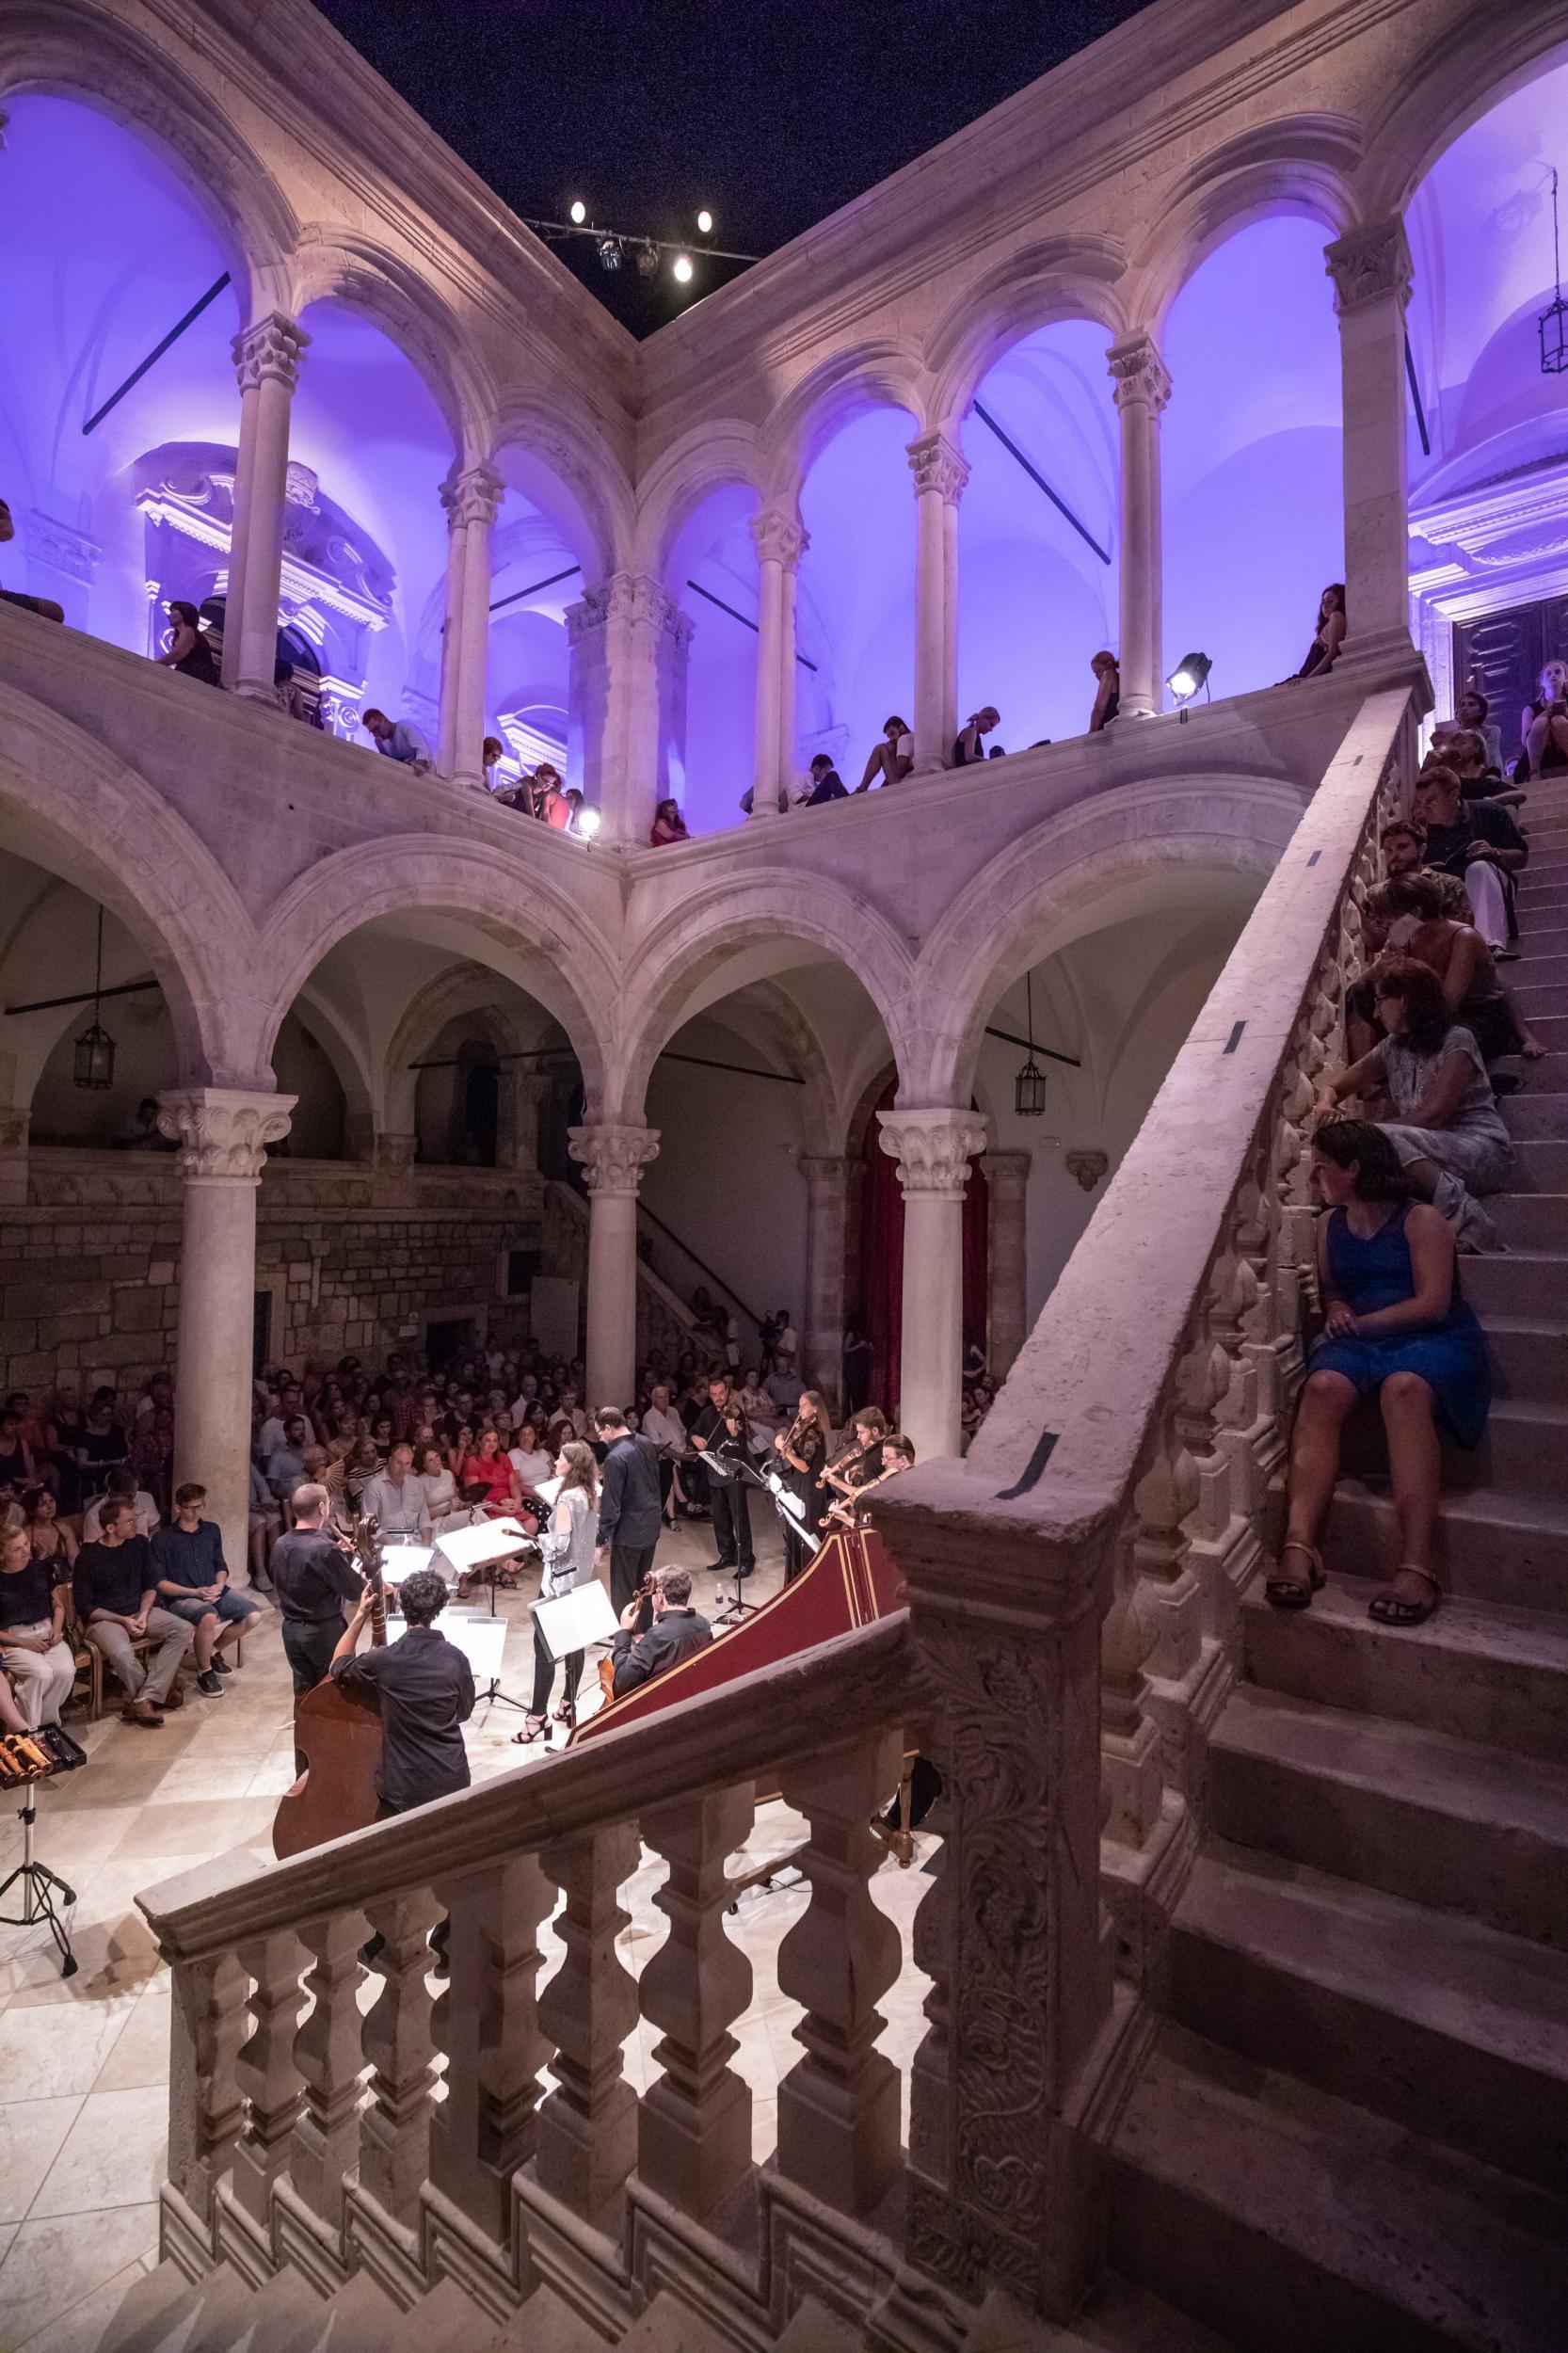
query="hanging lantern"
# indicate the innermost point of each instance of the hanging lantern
(1553, 322)
(1028, 1087)
(92, 1063)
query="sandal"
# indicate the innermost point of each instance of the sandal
(1289, 1592)
(534, 1728)
(1391, 1608)
(567, 1713)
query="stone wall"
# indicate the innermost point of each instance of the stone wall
(89, 1268)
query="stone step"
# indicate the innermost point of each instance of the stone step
(1417, 1814)
(1295, 2222)
(1522, 1451)
(1552, 1030)
(1516, 1283)
(1435, 2021)
(1116, 2318)
(1474, 1671)
(1529, 1356)
(1536, 899)
(1492, 1545)
(1541, 981)
(1548, 1075)
(1532, 1221)
(1540, 1164)
(165, 2310)
(1536, 1114)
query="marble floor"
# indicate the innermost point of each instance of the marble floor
(83, 2061)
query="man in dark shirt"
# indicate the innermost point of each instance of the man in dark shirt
(677, 1633)
(312, 1579)
(425, 1688)
(114, 1585)
(1476, 841)
(826, 783)
(630, 1513)
(721, 1427)
(193, 1584)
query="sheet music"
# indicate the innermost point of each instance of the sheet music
(467, 1548)
(571, 1620)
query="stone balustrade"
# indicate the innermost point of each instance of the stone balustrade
(1072, 1629)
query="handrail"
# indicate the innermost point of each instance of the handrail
(868, 1679)
(734, 1296)
(577, 1203)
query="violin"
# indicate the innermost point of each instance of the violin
(337, 1728)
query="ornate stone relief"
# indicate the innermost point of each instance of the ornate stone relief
(269, 350)
(933, 1148)
(779, 537)
(1371, 263)
(614, 1157)
(936, 465)
(222, 1132)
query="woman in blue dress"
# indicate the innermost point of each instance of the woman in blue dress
(1394, 1325)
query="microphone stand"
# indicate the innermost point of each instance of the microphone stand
(736, 1607)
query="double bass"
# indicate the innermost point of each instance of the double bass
(337, 1728)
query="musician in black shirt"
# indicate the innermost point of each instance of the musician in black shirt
(678, 1632)
(721, 1427)
(312, 1579)
(426, 1687)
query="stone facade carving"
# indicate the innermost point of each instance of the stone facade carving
(1088, 1167)
(269, 351)
(1371, 263)
(632, 598)
(223, 1132)
(933, 1148)
(1139, 375)
(62, 548)
(937, 465)
(613, 1157)
(779, 537)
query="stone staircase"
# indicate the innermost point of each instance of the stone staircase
(1354, 2128)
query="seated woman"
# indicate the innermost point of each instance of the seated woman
(894, 756)
(1107, 694)
(1446, 1132)
(1323, 653)
(188, 650)
(33, 1650)
(442, 1499)
(1544, 727)
(488, 1471)
(1411, 911)
(968, 749)
(51, 1538)
(1394, 1326)
(668, 826)
(1473, 711)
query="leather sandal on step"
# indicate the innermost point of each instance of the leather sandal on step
(1391, 1608)
(1289, 1592)
(534, 1728)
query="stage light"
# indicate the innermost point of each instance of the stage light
(682, 266)
(705, 222)
(648, 260)
(1190, 673)
(578, 211)
(589, 822)
(609, 252)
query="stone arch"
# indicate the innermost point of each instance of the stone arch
(333, 265)
(704, 460)
(1302, 165)
(664, 981)
(77, 810)
(888, 374)
(61, 49)
(316, 1013)
(1031, 899)
(564, 435)
(548, 947)
(1060, 278)
(1460, 75)
(466, 993)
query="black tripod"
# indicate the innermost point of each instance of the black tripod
(736, 1607)
(39, 1888)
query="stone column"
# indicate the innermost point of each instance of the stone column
(822, 1324)
(1142, 388)
(1007, 1319)
(267, 358)
(471, 501)
(223, 1133)
(782, 541)
(940, 473)
(626, 698)
(1371, 267)
(933, 1149)
(614, 1158)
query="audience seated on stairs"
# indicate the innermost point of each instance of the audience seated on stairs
(1447, 1133)
(1396, 1327)
(1411, 912)
(1476, 841)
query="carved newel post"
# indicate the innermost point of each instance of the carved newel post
(223, 1133)
(614, 1157)
(1371, 267)
(266, 359)
(1142, 388)
(781, 540)
(941, 473)
(933, 1149)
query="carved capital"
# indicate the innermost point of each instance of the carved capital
(271, 349)
(1371, 263)
(473, 497)
(1139, 375)
(614, 1157)
(779, 537)
(1088, 1167)
(629, 599)
(223, 1132)
(937, 465)
(933, 1148)
(394, 1153)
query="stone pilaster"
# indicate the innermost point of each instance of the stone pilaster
(266, 360)
(472, 501)
(1142, 388)
(823, 1327)
(933, 1149)
(941, 473)
(1371, 267)
(1007, 1181)
(626, 698)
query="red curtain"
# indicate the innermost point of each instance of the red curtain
(881, 1300)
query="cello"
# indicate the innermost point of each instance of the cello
(337, 1727)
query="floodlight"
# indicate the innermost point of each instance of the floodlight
(682, 266)
(705, 222)
(589, 822)
(578, 211)
(609, 252)
(1190, 673)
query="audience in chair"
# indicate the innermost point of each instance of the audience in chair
(33, 1650)
(115, 1587)
(193, 1584)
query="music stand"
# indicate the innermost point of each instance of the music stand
(39, 1887)
(465, 1550)
(736, 1606)
(568, 1622)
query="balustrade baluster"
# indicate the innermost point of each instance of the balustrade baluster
(839, 2106)
(394, 2126)
(588, 2125)
(487, 2024)
(267, 2074)
(693, 2132)
(207, 2110)
(329, 2054)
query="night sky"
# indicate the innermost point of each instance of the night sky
(771, 112)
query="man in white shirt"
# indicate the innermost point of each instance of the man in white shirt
(399, 740)
(273, 1435)
(892, 758)
(144, 1509)
(397, 1499)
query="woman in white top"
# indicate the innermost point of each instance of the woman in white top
(568, 1546)
(446, 1507)
(530, 1458)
